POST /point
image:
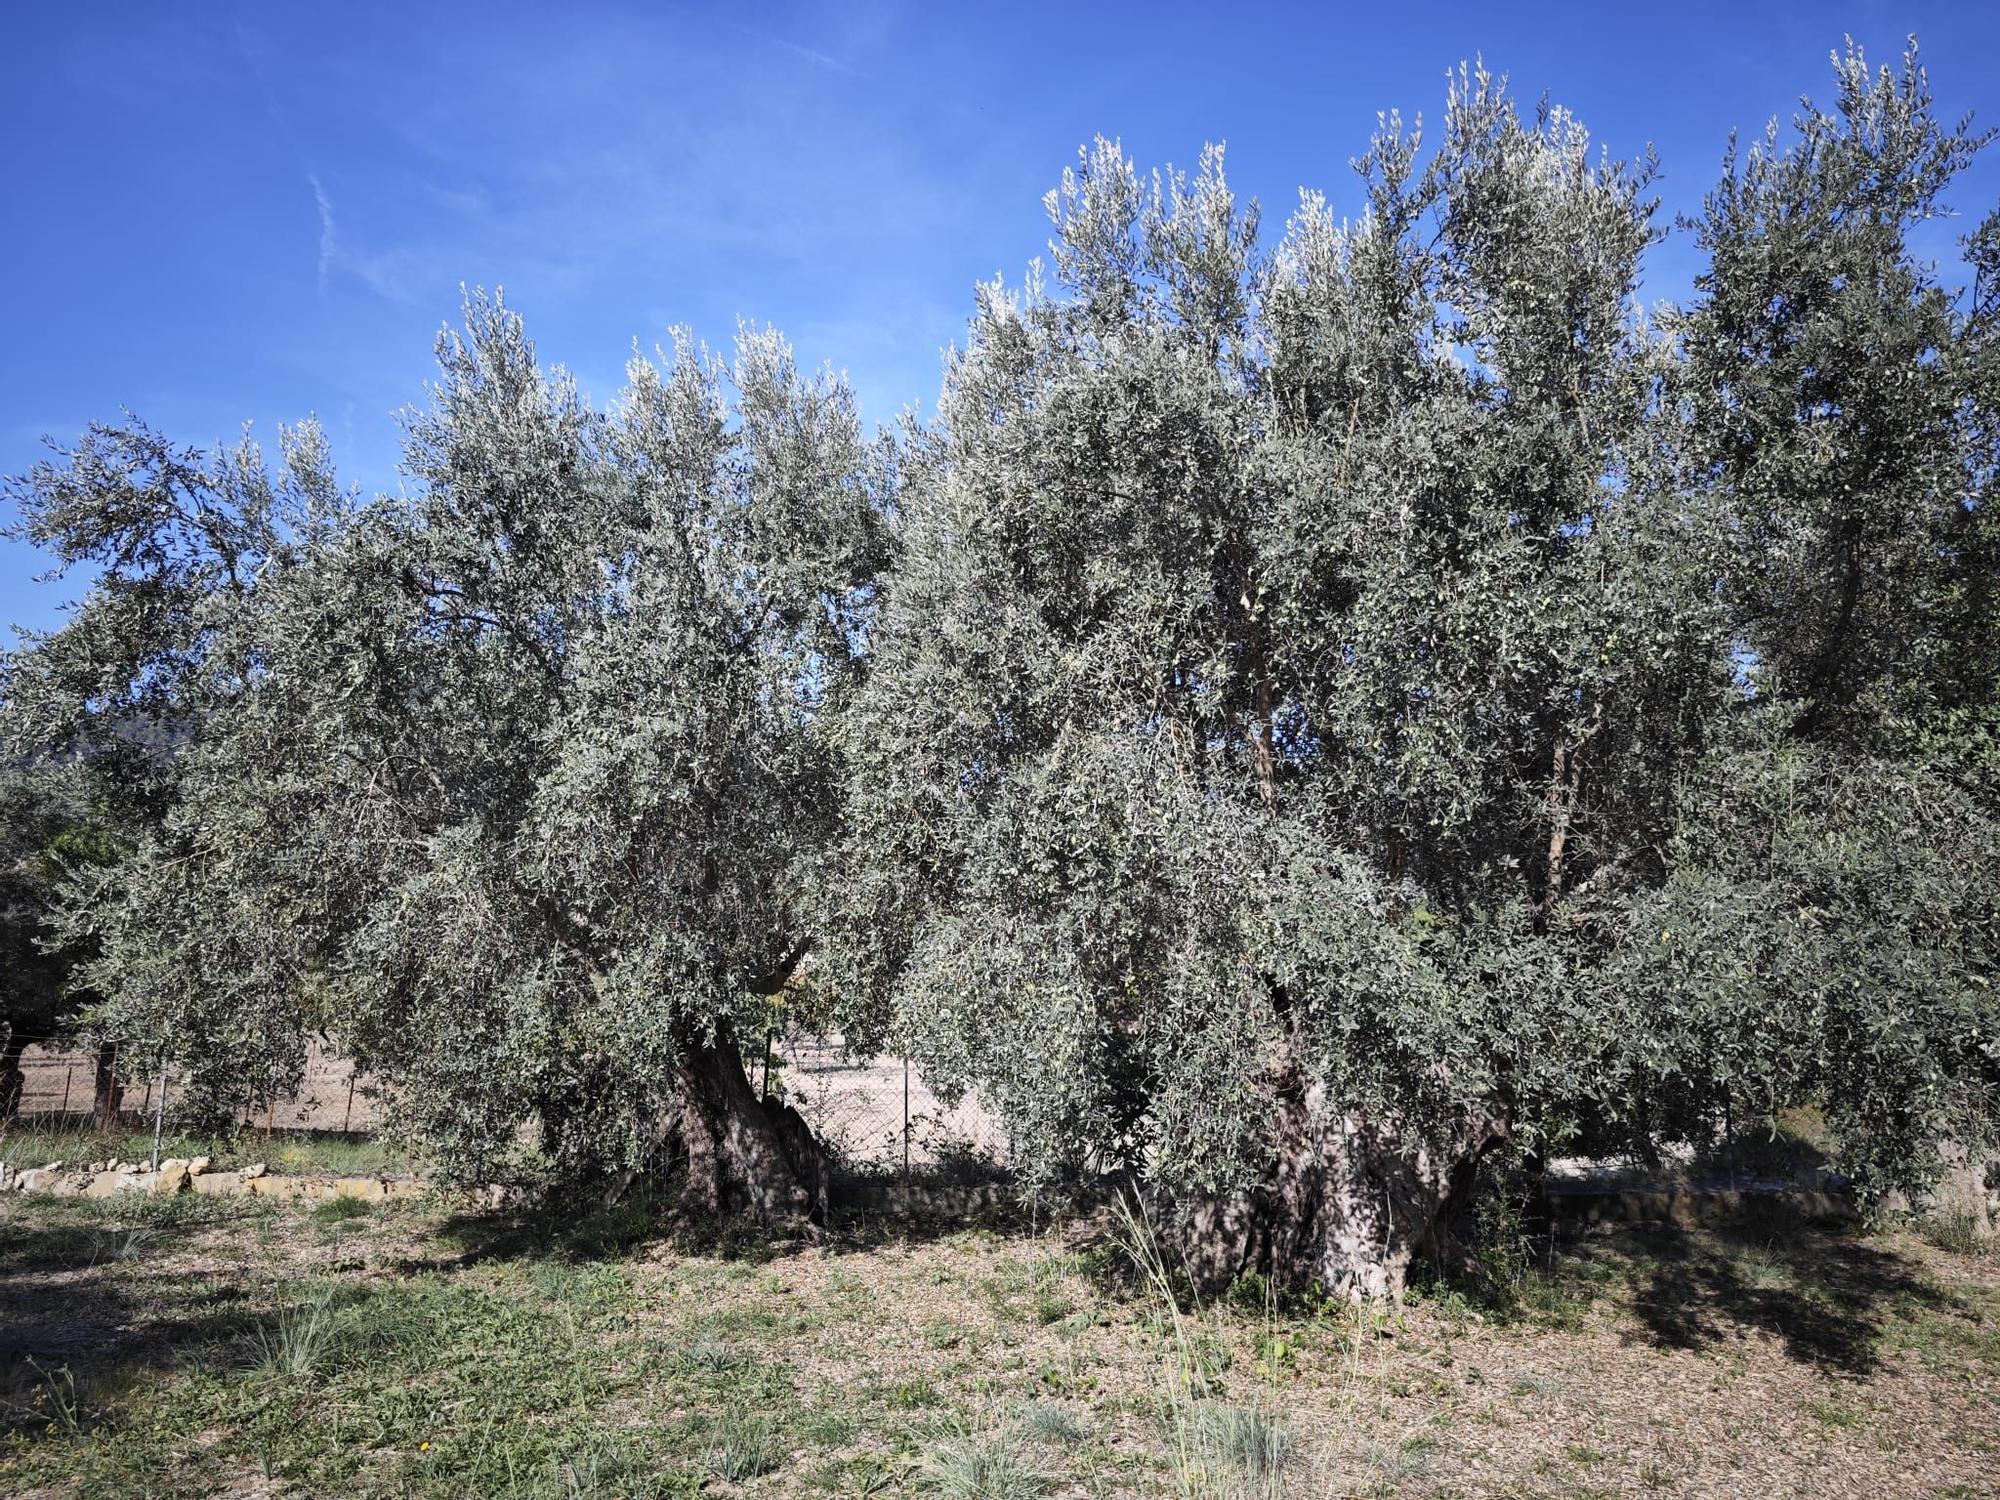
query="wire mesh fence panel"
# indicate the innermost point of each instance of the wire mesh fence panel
(873, 1113)
(332, 1095)
(56, 1085)
(62, 1087)
(879, 1113)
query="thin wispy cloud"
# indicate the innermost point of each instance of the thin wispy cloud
(808, 54)
(329, 236)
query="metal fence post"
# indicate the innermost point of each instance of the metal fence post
(906, 1122)
(159, 1111)
(69, 1072)
(347, 1120)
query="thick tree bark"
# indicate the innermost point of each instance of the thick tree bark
(110, 1093)
(745, 1155)
(1565, 783)
(1349, 1201)
(12, 1079)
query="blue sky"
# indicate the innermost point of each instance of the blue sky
(231, 211)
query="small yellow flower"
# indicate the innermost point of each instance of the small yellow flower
(423, 1447)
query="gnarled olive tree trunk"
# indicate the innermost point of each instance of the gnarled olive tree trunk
(1349, 1200)
(107, 1092)
(745, 1155)
(13, 1078)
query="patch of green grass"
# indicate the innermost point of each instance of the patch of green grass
(1250, 1294)
(1763, 1268)
(430, 1386)
(1552, 1300)
(709, 1359)
(293, 1346)
(118, 1242)
(283, 1151)
(43, 1233)
(527, 1368)
(321, 1155)
(600, 1285)
(862, 1477)
(1401, 1465)
(1965, 1329)
(36, 1399)
(759, 1320)
(1955, 1230)
(620, 1474)
(1246, 1443)
(1052, 1304)
(80, 1144)
(829, 1429)
(943, 1333)
(908, 1395)
(340, 1210)
(1833, 1414)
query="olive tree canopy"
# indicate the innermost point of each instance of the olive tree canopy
(1337, 708)
(514, 783)
(1302, 715)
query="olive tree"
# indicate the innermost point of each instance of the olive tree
(117, 707)
(1300, 718)
(514, 783)
(1843, 405)
(1309, 697)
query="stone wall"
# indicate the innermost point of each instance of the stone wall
(108, 1179)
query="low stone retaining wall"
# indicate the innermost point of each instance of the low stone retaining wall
(108, 1179)
(1689, 1207)
(921, 1198)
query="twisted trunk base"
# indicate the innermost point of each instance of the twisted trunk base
(746, 1155)
(1350, 1200)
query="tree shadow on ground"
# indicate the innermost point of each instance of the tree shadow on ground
(863, 1215)
(1826, 1295)
(91, 1292)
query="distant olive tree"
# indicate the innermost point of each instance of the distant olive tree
(48, 831)
(119, 704)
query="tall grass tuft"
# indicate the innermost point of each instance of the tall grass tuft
(1955, 1230)
(120, 1242)
(1219, 1451)
(985, 1466)
(38, 1400)
(743, 1448)
(1052, 1423)
(293, 1346)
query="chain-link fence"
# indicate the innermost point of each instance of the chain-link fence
(78, 1087)
(873, 1114)
(878, 1113)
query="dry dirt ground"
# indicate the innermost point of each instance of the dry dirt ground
(223, 1347)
